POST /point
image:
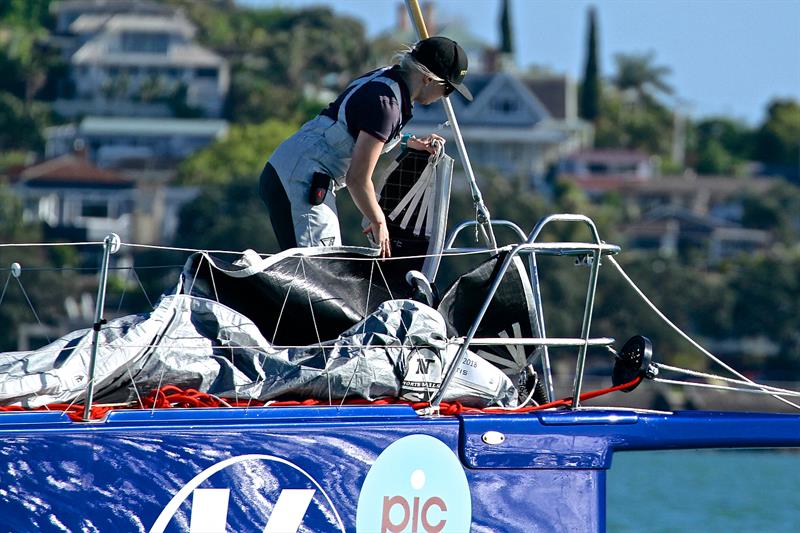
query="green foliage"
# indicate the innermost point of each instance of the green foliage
(240, 156)
(177, 103)
(633, 124)
(778, 139)
(590, 86)
(45, 288)
(25, 13)
(637, 73)
(25, 60)
(506, 37)
(777, 211)
(768, 303)
(722, 146)
(279, 57)
(230, 217)
(21, 126)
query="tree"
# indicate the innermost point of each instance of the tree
(45, 285)
(280, 58)
(768, 304)
(722, 146)
(590, 86)
(21, 126)
(637, 73)
(29, 14)
(777, 141)
(777, 211)
(238, 158)
(229, 217)
(645, 126)
(506, 37)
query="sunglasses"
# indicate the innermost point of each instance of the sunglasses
(448, 89)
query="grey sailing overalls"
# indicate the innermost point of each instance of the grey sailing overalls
(321, 145)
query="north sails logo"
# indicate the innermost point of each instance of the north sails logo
(210, 506)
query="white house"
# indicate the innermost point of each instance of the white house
(78, 201)
(515, 125)
(75, 199)
(129, 60)
(135, 141)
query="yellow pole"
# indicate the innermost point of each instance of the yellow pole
(482, 213)
(416, 17)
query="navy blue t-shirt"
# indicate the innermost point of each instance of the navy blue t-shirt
(374, 109)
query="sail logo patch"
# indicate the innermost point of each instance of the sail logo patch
(249, 492)
(417, 485)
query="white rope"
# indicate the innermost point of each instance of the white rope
(316, 332)
(33, 310)
(323, 258)
(5, 286)
(285, 299)
(725, 387)
(36, 244)
(721, 378)
(687, 337)
(141, 286)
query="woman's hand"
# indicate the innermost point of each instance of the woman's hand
(380, 235)
(425, 143)
(359, 183)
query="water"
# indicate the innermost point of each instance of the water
(704, 491)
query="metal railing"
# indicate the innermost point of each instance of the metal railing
(530, 247)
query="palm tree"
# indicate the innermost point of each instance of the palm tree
(637, 73)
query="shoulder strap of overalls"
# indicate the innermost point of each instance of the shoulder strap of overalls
(376, 76)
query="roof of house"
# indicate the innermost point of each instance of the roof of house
(717, 186)
(69, 170)
(610, 156)
(491, 91)
(111, 6)
(552, 92)
(186, 54)
(152, 126)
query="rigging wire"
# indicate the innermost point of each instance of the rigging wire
(680, 332)
(704, 375)
(35, 314)
(726, 387)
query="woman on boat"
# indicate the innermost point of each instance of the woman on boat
(341, 146)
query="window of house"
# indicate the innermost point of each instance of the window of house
(505, 104)
(598, 168)
(151, 43)
(94, 209)
(210, 73)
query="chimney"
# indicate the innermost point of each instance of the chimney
(429, 14)
(402, 18)
(491, 60)
(79, 149)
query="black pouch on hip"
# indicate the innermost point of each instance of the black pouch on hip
(320, 183)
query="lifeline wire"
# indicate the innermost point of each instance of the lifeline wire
(687, 337)
(695, 373)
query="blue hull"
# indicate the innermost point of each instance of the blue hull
(370, 469)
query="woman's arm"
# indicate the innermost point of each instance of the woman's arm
(359, 182)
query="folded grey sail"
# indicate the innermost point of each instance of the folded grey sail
(398, 351)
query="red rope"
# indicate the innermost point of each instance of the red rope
(170, 396)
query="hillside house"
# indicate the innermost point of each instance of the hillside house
(137, 59)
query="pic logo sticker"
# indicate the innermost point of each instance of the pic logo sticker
(417, 485)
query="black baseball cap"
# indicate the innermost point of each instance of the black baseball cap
(445, 58)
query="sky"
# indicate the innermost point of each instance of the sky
(728, 57)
